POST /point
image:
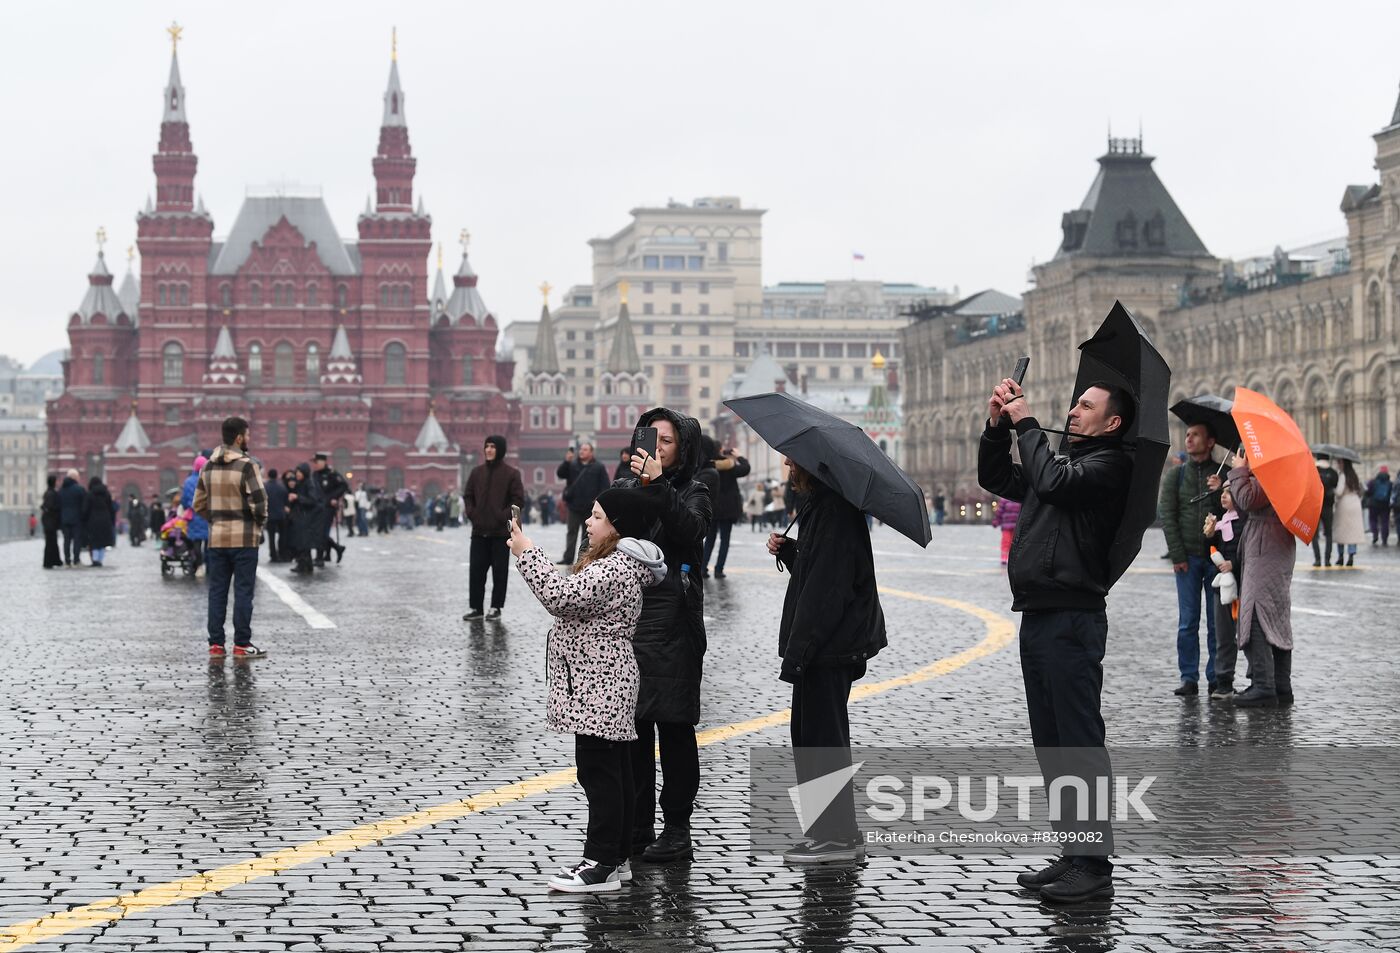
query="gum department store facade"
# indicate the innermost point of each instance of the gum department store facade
(1320, 340)
(323, 344)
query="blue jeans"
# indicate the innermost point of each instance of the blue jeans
(1191, 585)
(239, 565)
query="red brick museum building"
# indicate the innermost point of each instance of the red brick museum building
(322, 343)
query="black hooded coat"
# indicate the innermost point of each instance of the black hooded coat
(670, 639)
(99, 517)
(491, 489)
(308, 513)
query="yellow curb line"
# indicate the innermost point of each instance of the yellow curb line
(1000, 633)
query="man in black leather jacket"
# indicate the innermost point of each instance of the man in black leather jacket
(1071, 506)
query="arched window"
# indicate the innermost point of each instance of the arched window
(468, 370)
(184, 293)
(1317, 418)
(99, 368)
(283, 362)
(255, 364)
(393, 480)
(311, 294)
(1375, 313)
(340, 459)
(614, 420)
(1344, 425)
(384, 295)
(553, 416)
(255, 295)
(1380, 420)
(173, 364)
(313, 363)
(342, 296)
(394, 359)
(534, 418)
(162, 294)
(226, 295)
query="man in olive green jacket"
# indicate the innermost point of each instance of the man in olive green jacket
(1182, 522)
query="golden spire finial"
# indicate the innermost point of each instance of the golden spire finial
(545, 289)
(394, 43)
(101, 238)
(439, 256)
(174, 30)
(130, 254)
(465, 238)
(878, 361)
(622, 287)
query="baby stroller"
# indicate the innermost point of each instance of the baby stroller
(176, 550)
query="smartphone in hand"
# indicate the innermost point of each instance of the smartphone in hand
(515, 514)
(644, 441)
(1019, 374)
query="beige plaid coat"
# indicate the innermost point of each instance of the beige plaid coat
(231, 496)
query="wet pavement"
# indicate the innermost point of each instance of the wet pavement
(131, 762)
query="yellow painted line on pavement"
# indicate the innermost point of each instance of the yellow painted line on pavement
(1000, 632)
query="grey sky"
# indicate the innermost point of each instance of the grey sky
(941, 139)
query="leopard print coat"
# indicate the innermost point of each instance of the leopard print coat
(589, 663)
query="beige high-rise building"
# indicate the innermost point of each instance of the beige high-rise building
(694, 272)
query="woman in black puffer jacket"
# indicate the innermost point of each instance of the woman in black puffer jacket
(670, 638)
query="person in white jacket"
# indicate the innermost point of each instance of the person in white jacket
(592, 671)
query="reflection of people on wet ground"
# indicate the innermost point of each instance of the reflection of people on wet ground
(592, 671)
(832, 623)
(1071, 507)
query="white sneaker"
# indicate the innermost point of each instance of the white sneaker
(624, 872)
(586, 876)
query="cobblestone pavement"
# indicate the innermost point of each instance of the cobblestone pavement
(130, 762)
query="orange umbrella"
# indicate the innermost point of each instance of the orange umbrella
(1281, 459)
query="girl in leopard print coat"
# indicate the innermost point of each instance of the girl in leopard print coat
(591, 669)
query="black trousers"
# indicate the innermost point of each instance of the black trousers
(72, 543)
(1324, 529)
(575, 524)
(489, 554)
(1062, 665)
(605, 774)
(821, 742)
(51, 556)
(680, 776)
(276, 545)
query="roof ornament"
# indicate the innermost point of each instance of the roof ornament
(545, 289)
(465, 238)
(622, 288)
(439, 256)
(101, 238)
(174, 30)
(394, 43)
(130, 254)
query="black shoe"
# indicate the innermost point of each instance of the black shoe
(673, 844)
(588, 876)
(825, 852)
(300, 569)
(1351, 560)
(1317, 563)
(1188, 688)
(318, 563)
(1256, 698)
(493, 613)
(1327, 563)
(1035, 879)
(1223, 691)
(1285, 699)
(719, 573)
(339, 553)
(641, 840)
(473, 615)
(1078, 885)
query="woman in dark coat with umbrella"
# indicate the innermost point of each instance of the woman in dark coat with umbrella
(99, 521)
(48, 511)
(670, 639)
(832, 623)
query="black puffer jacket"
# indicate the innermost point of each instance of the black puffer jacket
(831, 613)
(1071, 506)
(670, 638)
(728, 501)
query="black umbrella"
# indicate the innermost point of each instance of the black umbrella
(1120, 353)
(1212, 411)
(1334, 451)
(842, 456)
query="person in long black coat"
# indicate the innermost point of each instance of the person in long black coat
(670, 639)
(728, 502)
(99, 521)
(71, 497)
(832, 623)
(48, 518)
(308, 508)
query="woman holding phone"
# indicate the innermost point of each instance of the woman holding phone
(670, 638)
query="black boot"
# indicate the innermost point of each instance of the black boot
(673, 844)
(1351, 559)
(1035, 879)
(339, 552)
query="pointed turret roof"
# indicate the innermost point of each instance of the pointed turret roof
(432, 438)
(466, 300)
(393, 98)
(133, 437)
(438, 300)
(1128, 211)
(100, 298)
(546, 357)
(763, 374)
(340, 363)
(174, 93)
(129, 294)
(623, 359)
(223, 363)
